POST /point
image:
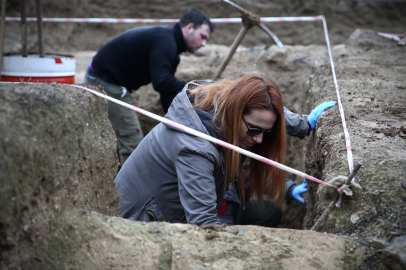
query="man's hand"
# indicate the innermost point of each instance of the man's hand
(315, 114)
(299, 190)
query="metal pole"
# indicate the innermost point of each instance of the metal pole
(249, 19)
(231, 52)
(2, 24)
(271, 34)
(23, 29)
(39, 24)
(237, 7)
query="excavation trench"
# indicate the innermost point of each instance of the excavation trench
(291, 68)
(58, 163)
(59, 204)
(371, 86)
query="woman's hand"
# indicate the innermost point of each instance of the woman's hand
(299, 190)
(315, 114)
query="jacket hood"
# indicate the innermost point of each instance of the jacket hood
(183, 112)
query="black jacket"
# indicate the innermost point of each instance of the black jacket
(140, 56)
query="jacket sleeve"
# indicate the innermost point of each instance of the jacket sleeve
(289, 186)
(197, 188)
(296, 125)
(163, 61)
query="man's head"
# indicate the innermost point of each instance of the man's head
(196, 29)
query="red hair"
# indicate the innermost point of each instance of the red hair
(230, 100)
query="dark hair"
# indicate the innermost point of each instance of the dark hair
(196, 17)
(231, 99)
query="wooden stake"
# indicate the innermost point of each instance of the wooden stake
(249, 19)
(2, 25)
(330, 207)
(39, 25)
(231, 52)
(23, 29)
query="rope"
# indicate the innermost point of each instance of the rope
(115, 20)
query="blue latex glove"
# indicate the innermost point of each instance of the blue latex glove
(315, 114)
(299, 190)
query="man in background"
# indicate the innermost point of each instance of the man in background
(138, 57)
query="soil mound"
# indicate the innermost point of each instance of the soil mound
(117, 243)
(58, 152)
(370, 73)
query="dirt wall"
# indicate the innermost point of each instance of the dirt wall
(372, 88)
(58, 151)
(123, 244)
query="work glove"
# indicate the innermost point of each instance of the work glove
(299, 190)
(315, 114)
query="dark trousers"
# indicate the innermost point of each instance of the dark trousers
(267, 216)
(123, 120)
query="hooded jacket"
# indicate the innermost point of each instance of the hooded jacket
(176, 177)
(173, 176)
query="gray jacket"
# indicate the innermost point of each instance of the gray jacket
(176, 177)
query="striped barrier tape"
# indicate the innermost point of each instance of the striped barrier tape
(208, 137)
(391, 34)
(201, 135)
(400, 38)
(340, 106)
(114, 20)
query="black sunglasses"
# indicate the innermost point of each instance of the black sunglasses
(256, 131)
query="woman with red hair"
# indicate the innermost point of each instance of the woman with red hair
(251, 114)
(176, 177)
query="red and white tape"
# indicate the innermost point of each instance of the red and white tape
(208, 137)
(114, 20)
(340, 106)
(389, 35)
(202, 135)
